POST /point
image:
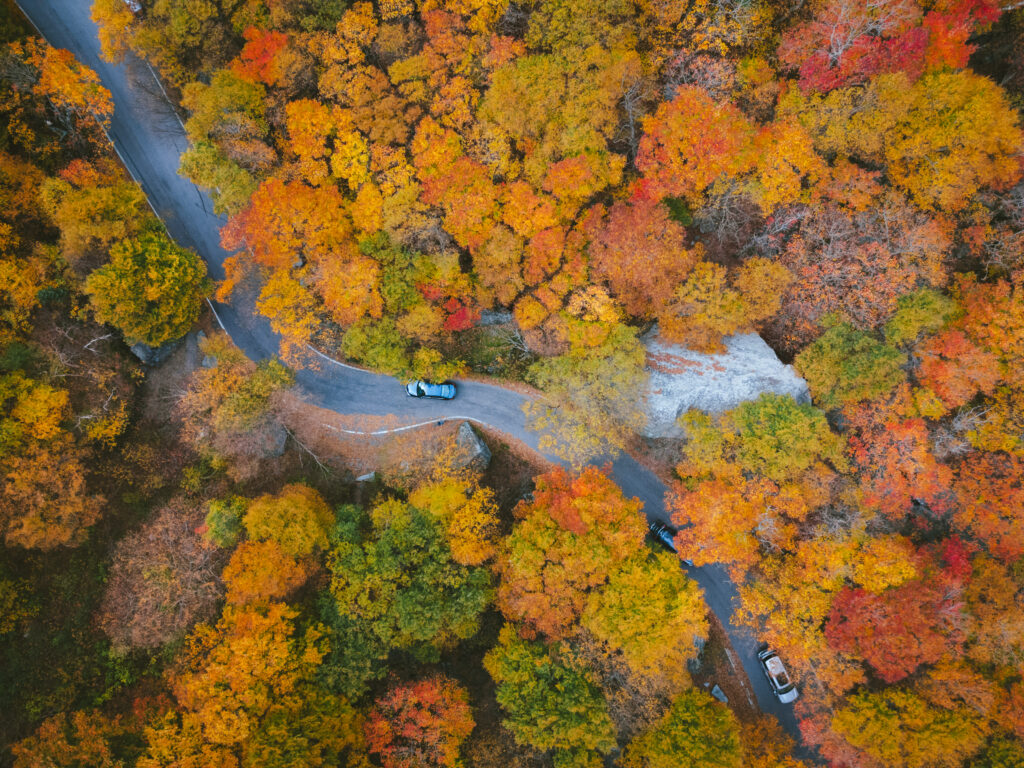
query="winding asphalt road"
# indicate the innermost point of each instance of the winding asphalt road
(150, 139)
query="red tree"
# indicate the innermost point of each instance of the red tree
(896, 464)
(900, 629)
(850, 41)
(259, 59)
(420, 725)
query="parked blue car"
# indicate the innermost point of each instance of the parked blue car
(445, 391)
(666, 536)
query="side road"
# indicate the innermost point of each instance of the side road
(149, 139)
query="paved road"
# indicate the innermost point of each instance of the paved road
(149, 138)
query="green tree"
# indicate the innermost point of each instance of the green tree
(549, 699)
(697, 732)
(773, 436)
(923, 311)
(780, 438)
(230, 185)
(1001, 753)
(845, 365)
(355, 653)
(377, 344)
(223, 522)
(151, 290)
(15, 604)
(399, 582)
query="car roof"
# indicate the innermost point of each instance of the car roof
(775, 665)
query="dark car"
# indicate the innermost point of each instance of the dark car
(779, 679)
(445, 391)
(666, 536)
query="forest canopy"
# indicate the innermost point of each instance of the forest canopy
(522, 191)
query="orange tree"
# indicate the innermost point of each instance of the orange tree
(577, 530)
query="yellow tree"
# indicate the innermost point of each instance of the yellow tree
(897, 728)
(469, 514)
(297, 518)
(326, 144)
(651, 613)
(45, 502)
(706, 308)
(291, 309)
(941, 138)
(245, 696)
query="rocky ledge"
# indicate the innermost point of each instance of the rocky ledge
(681, 379)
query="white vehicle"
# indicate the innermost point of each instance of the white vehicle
(778, 677)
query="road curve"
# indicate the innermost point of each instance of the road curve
(149, 138)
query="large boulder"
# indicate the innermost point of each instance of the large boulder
(494, 317)
(681, 379)
(272, 440)
(472, 452)
(153, 356)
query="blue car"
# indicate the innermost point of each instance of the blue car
(444, 391)
(666, 536)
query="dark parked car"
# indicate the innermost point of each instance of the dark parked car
(666, 536)
(445, 391)
(778, 677)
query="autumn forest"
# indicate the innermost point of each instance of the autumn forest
(207, 562)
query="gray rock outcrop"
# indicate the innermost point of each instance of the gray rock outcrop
(681, 379)
(273, 440)
(494, 317)
(153, 356)
(472, 451)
